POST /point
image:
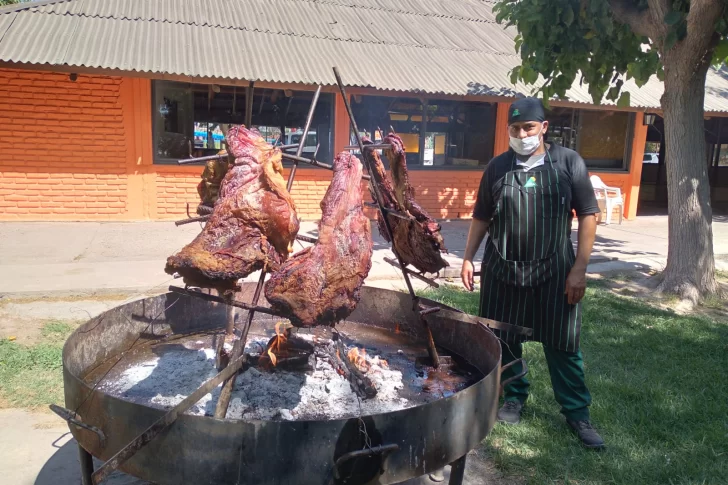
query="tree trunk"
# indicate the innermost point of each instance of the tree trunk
(690, 270)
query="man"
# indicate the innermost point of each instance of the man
(530, 274)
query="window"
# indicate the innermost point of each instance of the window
(173, 120)
(602, 138)
(192, 119)
(456, 134)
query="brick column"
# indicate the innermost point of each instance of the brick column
(136, 100)
(501, 129)
(639, 139)
(341, 125)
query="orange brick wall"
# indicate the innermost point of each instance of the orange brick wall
(63, 147)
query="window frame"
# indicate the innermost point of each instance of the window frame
(157, 160)
(626, 157)
(173, 161)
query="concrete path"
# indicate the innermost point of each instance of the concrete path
(91, 257)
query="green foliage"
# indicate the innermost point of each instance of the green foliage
(562, 39)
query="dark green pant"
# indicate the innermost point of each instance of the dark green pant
(567, 380)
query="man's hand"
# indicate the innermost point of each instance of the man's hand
(575, 285)
(466, 274)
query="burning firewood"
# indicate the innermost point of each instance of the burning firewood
(337, 355)
(285, 349)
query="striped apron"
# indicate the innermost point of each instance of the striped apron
(527, 258)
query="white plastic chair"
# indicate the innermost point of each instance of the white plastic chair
(608, 198)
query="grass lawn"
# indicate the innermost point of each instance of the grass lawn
(32, 376)
(660, 399)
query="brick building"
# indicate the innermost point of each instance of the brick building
(99, 98)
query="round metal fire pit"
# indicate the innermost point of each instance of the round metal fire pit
(203, 450)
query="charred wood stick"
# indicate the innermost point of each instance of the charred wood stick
(336, 354)
(238, 351)
(412, 273)
(431, 348)
(230, 328)
(193, 219)
(164, 422)
(218, 299)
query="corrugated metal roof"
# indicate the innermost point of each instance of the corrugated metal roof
(427, 46)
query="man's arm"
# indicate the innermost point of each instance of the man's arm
(477, 232)
(482, 214)
(576, 281)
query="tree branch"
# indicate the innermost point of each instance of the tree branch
(638, 20)
(701, 24)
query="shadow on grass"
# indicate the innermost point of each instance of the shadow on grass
(659, 400)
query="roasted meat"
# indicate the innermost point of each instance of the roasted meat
(253, 224)
(418, 242)
(320, 284)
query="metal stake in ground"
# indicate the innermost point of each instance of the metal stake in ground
(378, 196)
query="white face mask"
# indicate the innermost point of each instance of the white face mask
(526, 146)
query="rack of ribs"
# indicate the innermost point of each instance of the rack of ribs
(253, 224)
(320, 284)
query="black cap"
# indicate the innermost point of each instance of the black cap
(526, 109)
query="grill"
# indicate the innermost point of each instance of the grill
(395, 446)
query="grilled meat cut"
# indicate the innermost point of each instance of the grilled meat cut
(320, 284)
(405, 193)
(418, 242)
(253, 224)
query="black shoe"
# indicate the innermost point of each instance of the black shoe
(510, 412)
(587, 434)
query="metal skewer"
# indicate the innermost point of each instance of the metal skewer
(378, 197)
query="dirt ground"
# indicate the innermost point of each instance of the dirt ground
(24, 317)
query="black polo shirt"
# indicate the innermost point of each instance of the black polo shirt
(574, 181)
